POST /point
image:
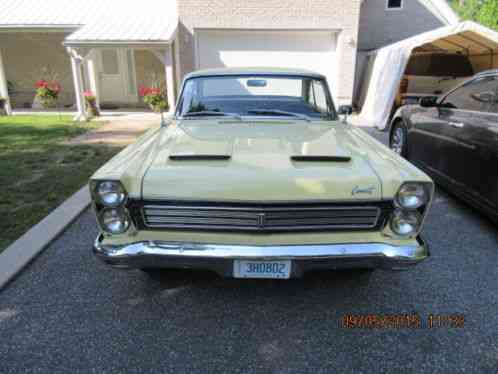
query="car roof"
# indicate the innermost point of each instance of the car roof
(254, 71)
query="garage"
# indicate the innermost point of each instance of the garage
(311, 50)
(430, 64)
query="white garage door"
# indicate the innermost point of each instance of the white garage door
(312, 50)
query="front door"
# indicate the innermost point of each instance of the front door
(117, 76)
(465, 111)
(428, 140)
(475, 126)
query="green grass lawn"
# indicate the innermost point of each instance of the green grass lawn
(38, 172)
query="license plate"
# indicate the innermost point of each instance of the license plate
(262, 269)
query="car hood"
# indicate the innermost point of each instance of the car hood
(279, 160)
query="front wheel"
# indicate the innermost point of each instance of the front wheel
(399, 139)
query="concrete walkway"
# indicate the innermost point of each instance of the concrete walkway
(119, 130)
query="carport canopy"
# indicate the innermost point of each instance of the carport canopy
(477, 42)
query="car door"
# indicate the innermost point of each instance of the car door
(426, 140)
(472, 131)
(491, 183)
(480, 175)
(435, 138)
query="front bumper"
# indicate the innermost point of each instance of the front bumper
(219, 258)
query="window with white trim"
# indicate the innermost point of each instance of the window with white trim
(110, 61)
(394, 4)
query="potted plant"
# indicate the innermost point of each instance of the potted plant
(91, 104)
(155, 98)
(47, 92)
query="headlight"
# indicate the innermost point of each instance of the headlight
(110, 193)
(405, 223)
(114, 221)
(412, 196)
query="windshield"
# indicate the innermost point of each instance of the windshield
(268, 96)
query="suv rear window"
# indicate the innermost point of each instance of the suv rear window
(439, 65)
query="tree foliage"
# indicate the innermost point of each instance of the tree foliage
(482, 11)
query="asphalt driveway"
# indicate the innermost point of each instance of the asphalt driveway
(69, 313)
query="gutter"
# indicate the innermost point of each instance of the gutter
(106, 43)
(38, 28)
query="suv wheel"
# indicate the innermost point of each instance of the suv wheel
(399, 138)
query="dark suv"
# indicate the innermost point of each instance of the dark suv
(455, 139)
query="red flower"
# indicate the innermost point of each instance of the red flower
(42, 83)
(88, 94)
(54, 86)
(149, 91)
(143, 91)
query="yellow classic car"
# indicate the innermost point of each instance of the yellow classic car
(255, 176)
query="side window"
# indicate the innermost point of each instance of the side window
(320, 98)
(316, 96)
(110, 61)
(190, 98)
(477, 95)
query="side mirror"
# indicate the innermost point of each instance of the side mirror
(345, 110)
(428, 102)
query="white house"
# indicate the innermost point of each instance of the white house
(113, 47)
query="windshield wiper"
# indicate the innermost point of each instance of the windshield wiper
(279, 113)
(211, 113)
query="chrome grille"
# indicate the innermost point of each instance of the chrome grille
(260, 218)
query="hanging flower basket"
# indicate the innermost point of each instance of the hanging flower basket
(47, 93)
(155, 98)
(91, 104)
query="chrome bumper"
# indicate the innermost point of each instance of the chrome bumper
(219, 258)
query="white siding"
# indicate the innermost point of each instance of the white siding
(380, 26)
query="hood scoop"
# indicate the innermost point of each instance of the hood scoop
(325, 148)
(198, 157)
(192, 149)
(316, 158)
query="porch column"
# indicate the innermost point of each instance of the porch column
(4, 88)
(170, 78)
(176, 51)
(93, 77)
(76, 62)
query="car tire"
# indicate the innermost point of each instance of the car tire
(398, 141)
